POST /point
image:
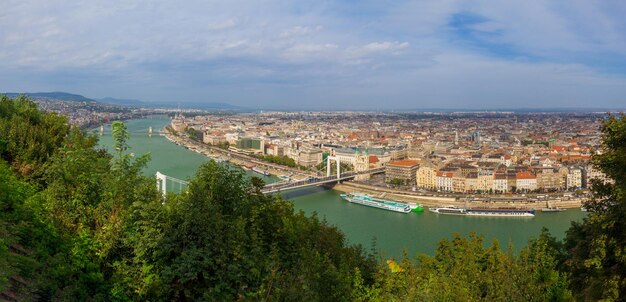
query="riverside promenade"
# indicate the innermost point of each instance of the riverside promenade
(433, 201)
(238, 159)
(351, 186)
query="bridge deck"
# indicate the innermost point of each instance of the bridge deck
(283, 186)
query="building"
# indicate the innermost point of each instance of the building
(403, 170)
(500, 183)
(250, 144)
(426, 176)
(550, 179)
(348, 155)
(471, 182)
(178, 123)
(525, 181)
(485, 180)
(458, 182)
(593, 173)
(444, 181)
(310, 157)
(362, 163)
(213, 139)
(574, 178)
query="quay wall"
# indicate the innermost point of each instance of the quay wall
(434, 201)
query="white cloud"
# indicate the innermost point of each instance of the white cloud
(226, 24)
(383, 47)
(300, 31)
(406, 45)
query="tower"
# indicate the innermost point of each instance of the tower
(362, 163)
(456, 137)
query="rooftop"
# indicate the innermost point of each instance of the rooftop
(404, 163)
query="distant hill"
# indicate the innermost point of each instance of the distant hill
(57, 95)
(139, 103)
(219, 106)
(123, 102)
(64, 96)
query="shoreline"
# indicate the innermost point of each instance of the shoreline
(240, 160)
(349, 186)
(433, 201)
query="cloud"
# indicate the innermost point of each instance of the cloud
(403, 51)
(226, 24)
(300, 31)
(380, 47)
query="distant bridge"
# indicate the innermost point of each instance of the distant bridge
(163, 180)
(313, 181)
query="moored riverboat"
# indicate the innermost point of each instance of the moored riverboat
(385, 204)
(489, 212)
(262, 172)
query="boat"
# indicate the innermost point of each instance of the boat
(500, 212)
(495, 212)
(262, 172)
(451, 210)
(385, 204)
(556, 209)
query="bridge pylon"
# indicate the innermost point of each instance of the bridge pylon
(338, 161)
(162, 182)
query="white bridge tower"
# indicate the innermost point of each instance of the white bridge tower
(336, 159)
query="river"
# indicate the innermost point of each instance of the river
(392, 232)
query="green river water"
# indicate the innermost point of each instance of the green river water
(392, 232)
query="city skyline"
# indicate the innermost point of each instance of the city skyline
(334, 55)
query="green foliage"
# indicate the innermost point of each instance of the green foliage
(597, 246)
(13, 193)
(333, 167)
(120, 135)
(399, 182)
(77, 223)
(280, 160)
(226, 240)
(192, 133)
(224, 145)
(464, 270)
(28, 137)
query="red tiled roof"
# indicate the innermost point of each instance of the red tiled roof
(524, 175)
(404, 163)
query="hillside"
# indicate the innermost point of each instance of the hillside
(57, 95)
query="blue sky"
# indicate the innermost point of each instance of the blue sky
(355, 55)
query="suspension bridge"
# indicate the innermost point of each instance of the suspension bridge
(314, 181)
(162, 183)
(163, 180)
(311, 181)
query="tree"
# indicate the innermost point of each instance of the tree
(225, 240)
(596, 246)
(463, 269)
(28, 136)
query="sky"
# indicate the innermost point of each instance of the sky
(321, 55)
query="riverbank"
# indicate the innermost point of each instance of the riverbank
(241, 160)
(434, 201)
(394, 232)
(246, 161)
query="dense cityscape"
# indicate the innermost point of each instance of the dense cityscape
(312, 150)
(493, 152)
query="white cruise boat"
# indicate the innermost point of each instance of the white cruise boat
(487, 212)
(366, 200)
(451, 210)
